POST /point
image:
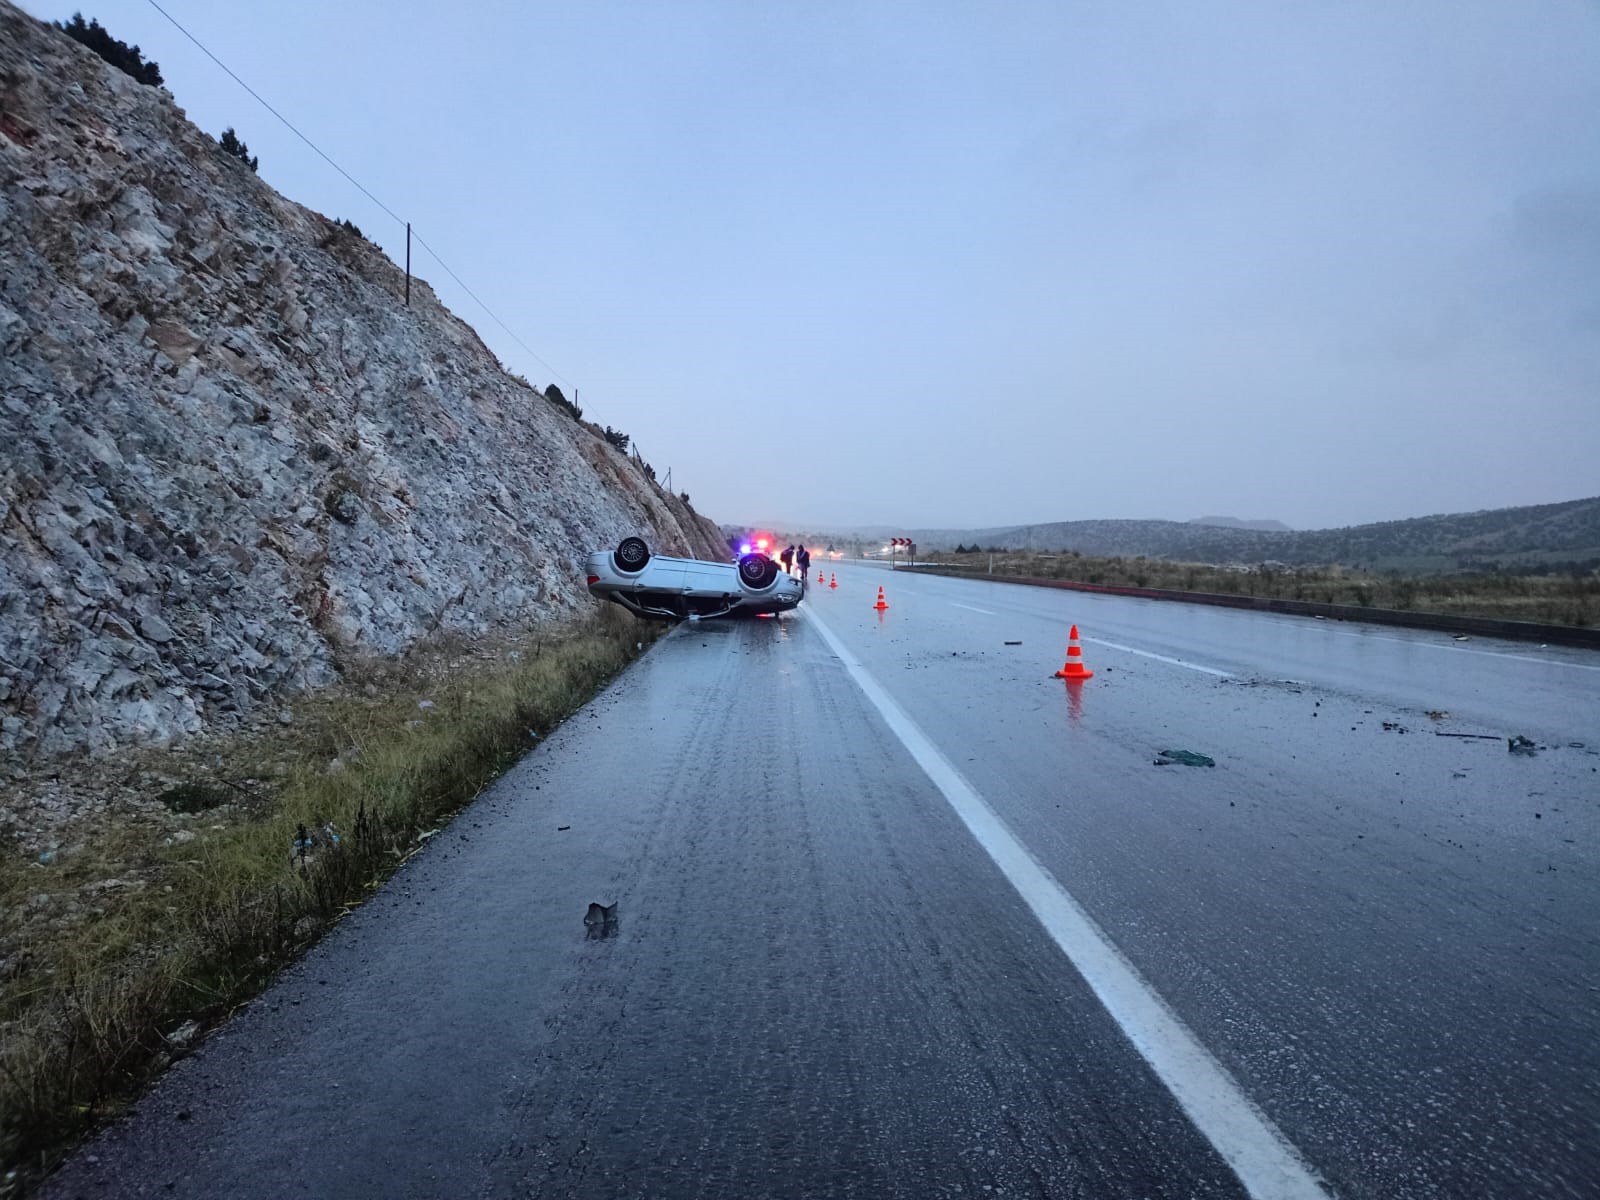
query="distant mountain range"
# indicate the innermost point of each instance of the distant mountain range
(1236, 523)
(1536, 537)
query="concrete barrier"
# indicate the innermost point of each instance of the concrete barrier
(1524, 631)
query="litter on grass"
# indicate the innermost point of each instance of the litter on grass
(1187, 758)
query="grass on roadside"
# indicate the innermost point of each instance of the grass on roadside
(1548, 599)
(89, 1015)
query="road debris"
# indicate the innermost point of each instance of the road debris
(600, 921)
(1436, 714)
(1187, 758)
(1013, 643)
(1521, 745)
(1395, 727)
(1479, 737)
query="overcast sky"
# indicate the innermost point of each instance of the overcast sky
(967, 264)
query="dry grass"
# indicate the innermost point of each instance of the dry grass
(88, 1010)
(1548, 599)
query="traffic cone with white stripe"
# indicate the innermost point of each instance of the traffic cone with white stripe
(1074, 668)
(882, 603)
(833, 580)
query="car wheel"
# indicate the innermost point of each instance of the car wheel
(757, 572)
(631, 556)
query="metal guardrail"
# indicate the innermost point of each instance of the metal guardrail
(1523, 631)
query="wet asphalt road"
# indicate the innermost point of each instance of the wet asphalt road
(821, 985)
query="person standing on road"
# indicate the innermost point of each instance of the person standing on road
(787, 559)
(802, 558)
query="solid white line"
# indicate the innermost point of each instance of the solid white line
(1177, 662)
(969, 608)
(1268, 1166)
(1547, 662)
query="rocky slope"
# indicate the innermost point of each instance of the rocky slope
(231, 459)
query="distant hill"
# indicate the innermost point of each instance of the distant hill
(1541, 536)
(1236, 523)
(1538, 537)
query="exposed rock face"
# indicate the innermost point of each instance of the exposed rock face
(230, 457)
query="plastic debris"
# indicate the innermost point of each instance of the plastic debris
(1187, 758)
(303, 844)
(600, 921)
(425, 705)
(1521, 745)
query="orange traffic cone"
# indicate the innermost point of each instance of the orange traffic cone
(820, 578)
(882, 603)
(833, 580)
(1074, 668)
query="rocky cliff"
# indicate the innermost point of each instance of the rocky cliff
(231, 458)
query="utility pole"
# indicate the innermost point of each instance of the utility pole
(408, 264)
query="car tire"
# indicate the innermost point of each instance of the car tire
(757, 572)
(631, 556)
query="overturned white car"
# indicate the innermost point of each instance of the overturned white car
(676, 589)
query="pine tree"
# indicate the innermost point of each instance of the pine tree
(230, 143)
(124, 57)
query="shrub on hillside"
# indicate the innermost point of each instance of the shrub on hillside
(617, 438)
(231, 145)
(559, 399)
(124, 57)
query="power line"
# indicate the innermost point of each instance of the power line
(487, 309)
(289, 124)
(434, 254)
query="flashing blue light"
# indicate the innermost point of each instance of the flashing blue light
(745, 549)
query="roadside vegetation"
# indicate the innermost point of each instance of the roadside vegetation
(1554, 599)
(95, 1003)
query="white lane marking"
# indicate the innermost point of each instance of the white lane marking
(970, 608)
(1547, 662)
(1177, 662)
(1264, 1160)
